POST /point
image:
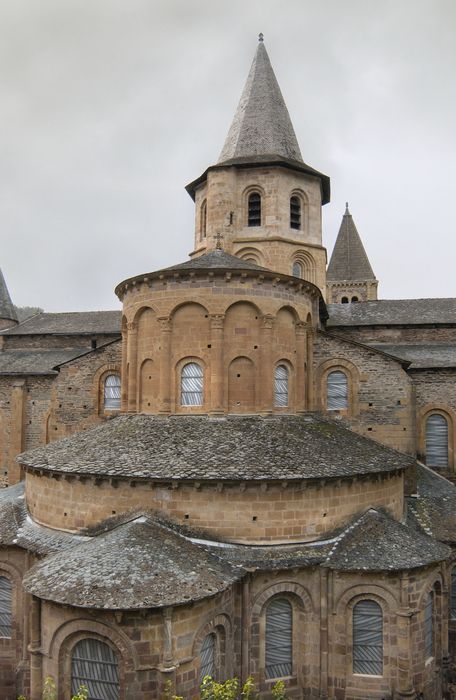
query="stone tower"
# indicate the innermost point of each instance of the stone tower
(8, 316)
(350, 276)
(261, 197)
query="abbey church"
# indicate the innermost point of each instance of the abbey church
(246, 472)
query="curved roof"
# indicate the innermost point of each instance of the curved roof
(233, 448)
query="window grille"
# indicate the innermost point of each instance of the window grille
(112, 392)
(453, 595)
(297, 269)
(254, 214)
(279, 639)
(368, 638)
(295, 213)
(281, 386)
(337, 391)
(203, 220)
(207, 657)
(429, 626)
(95, 665)
(6, 604)
(192, 385)
(436, 441)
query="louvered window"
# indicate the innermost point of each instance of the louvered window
(192, 385)
(6, 600)
(254, 214)
(295, 213)
(297, 269)
(281, 386)
(337, 391)
(203, 220)
(207, 657)
(112, 392)
(453, 594)
(436, 441)
(368, 638)
(429, 626)
(279, 639)
(94, 664)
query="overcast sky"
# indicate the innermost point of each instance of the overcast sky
(108, 108)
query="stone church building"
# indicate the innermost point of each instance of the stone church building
(246, 472)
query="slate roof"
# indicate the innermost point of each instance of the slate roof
(377, 542)
(349, 260)
(422, 356)
(35, 362)
(233, 448)
(434, 508)
(69, 323)
(137, 565)
(7, 310)
(217, 259)
(386, 312)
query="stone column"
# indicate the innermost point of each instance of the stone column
(217, 406)
(132, 359)
(17, 433)
(404, 644)
(124, 377)
(324, 642)
(310, 370)
(168, 665)
(265, 373)
(165, 365)
(36, 659)
(301, 356)
(445, 616)
(245, 617)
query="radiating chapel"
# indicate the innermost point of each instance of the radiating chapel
(248, 472)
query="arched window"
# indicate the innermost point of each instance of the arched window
(354, 299)
(203, 220)
(337, 391)
(281, 386)
(436, 441)
(6, 602)
(344, 300)
(207, 657)
(297, 269)
(95, 665)
(453, 595)
(254, 213)
(295, 212)
(192, 385)
(368, 638)
(112, 392)
(429, 626)
(279, 639)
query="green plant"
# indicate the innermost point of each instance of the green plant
(211, 690)
(278, 691)
(167, 692)
(82, 694)
(49, 689)
(248, 689)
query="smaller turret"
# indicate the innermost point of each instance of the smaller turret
(8, 316)
(349, 277)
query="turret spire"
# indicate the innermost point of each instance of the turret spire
(8, 316)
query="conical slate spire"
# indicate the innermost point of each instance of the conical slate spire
(349, 260)
(261, 126)
(7, 311)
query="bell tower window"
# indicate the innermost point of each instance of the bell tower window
(295, 213)
(203, 220)
(254, 213)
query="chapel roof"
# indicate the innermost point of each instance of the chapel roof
(349, 261)
(233, 448)
(34, 362)
(69, 323)
(7, 310)
(421, 355)
(390, 312)
(433, 509)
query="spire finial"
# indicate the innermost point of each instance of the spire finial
(261, 37)
(346, 208)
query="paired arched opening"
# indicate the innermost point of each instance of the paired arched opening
(95, 665)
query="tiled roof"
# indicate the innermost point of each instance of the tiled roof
(377, 542)
(349, 261)
(422, 356)
(233, 448)
(388, 312)
(34, 362)
(69, 323)
(217, 259)
(139, 564)
(7, 310)
(434, 508)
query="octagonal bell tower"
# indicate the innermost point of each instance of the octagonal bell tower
(261, 198)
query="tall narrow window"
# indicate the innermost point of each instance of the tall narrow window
(279, 639)
(368, 638)
(207, 657)
(297, 269)
(281, 386)
(94, 664)
(192, 385)
(337, 391)
(453, 594)
(295, 212)
(436, 441)
(254, 214)
(429, 626)
(6, 599)
(203, 220)
(112, 392)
